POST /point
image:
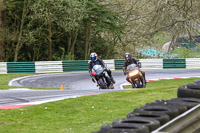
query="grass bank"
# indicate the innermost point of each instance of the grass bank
(85, 114)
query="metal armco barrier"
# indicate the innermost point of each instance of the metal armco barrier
(77, 65)
(188, 122)
(119, 64)
(82, 65)
(21, 67)
(174, 63)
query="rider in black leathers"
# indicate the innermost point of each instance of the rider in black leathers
(129, 61)
(97, 61)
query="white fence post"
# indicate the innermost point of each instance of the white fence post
(110, 64)
(192, 63)
(48, 66)
(3, 67)
(152, 63)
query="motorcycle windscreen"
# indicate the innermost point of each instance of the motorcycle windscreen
(131, 67)
(98, 69)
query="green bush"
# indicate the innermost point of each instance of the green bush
(184, 52)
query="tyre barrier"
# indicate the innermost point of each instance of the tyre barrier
(178, 102)
(190, 102)
(189, 90)
(170, 111)
(153, 115)
(152, 124)
(123, 128)
(181, 108)
(197, 81)
(161, 117)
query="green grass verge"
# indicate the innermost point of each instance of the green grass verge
(5, 78)
(85, 114)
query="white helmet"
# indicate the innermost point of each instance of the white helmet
(93, 56)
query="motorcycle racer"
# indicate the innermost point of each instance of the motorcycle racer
(129, 61)
(97, 61)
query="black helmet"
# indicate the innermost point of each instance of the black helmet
(127, 56)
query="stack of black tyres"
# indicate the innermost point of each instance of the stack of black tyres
(190, 90)
(153, 115)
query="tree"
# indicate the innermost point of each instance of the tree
(100, 21)
(1, 39)
(60, 24)
(143, 19)
(178, 17)
(46, 16)
(67, 14)
(71, 29)
(15, 16)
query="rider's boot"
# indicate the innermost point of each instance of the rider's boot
(145, 80)
(112, 79)
(93, 80)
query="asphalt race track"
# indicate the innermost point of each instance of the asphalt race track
(80, 84)
(82, 80)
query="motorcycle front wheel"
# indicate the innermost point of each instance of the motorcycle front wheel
(134, 85)
(137, 82)
(102, 84)
(143, 82)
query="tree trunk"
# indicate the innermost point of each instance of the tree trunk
(16, 53)
(89, 48)
(87, 40)
(1, 29)
(19, 43)
(69, 43)
(172, 44)
(123, 47)
(74, 42)
(18, 46)
(50, 42)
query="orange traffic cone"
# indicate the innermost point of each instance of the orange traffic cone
(61, 87)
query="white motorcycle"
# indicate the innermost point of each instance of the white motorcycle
(100, 76)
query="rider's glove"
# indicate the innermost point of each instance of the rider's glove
(124, 70)
(139, 64)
